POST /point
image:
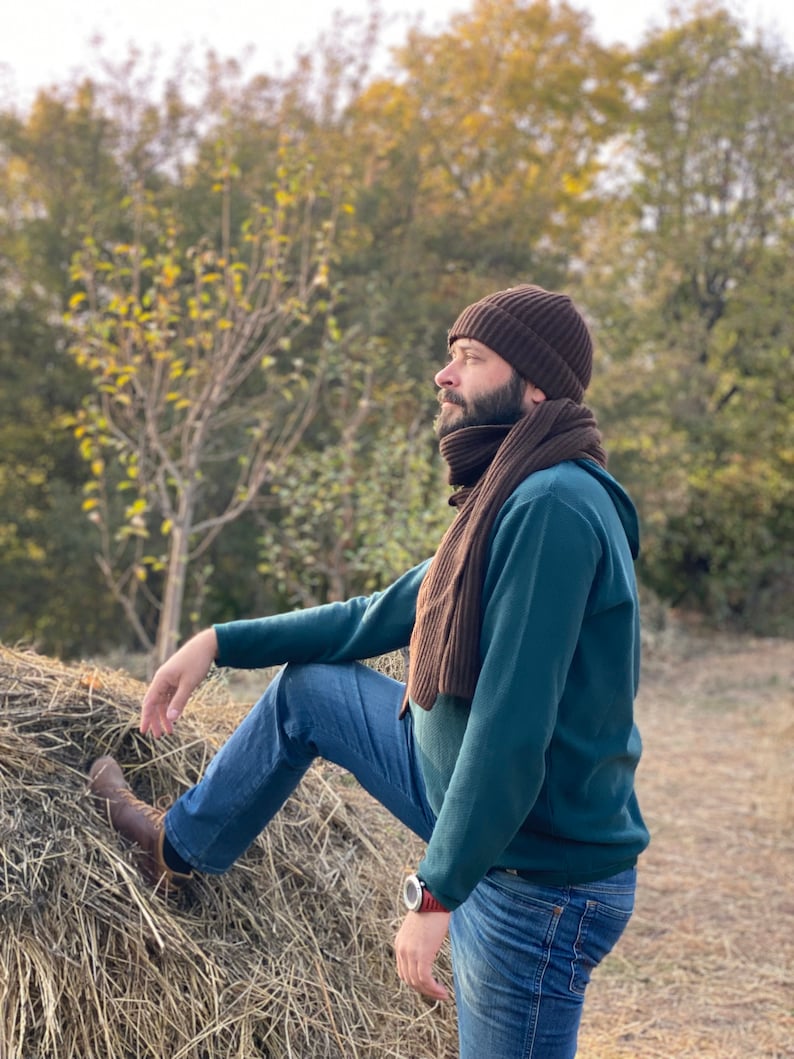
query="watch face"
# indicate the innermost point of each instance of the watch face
(412, 894)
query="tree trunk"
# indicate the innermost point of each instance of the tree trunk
(168, 627)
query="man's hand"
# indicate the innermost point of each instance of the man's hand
(175, 681)
(416, 945)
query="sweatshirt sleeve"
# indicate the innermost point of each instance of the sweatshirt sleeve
(362, 627)
(541, 568)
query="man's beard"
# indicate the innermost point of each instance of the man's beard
(504, 406)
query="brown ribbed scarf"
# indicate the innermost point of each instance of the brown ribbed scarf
(488, 463)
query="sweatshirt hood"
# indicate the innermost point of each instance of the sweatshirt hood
(624, 506)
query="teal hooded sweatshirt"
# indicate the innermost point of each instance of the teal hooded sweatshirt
(536, 773)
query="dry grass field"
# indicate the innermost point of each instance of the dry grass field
(706, 968)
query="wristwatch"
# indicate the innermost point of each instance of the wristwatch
(418, 898)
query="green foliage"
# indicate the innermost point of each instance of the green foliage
(365, 502)
(698, 390)
(49, 586)
(251, 352)
(725, 551)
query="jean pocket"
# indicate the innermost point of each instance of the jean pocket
(600, 927)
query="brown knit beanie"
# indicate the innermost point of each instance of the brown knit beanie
(539, 332)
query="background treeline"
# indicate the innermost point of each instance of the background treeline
(223, 298)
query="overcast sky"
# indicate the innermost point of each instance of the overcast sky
(42, 42)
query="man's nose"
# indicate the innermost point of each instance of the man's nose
(448, 376)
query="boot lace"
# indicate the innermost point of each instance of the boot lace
(152, 814)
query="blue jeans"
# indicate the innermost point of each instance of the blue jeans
(522, 954)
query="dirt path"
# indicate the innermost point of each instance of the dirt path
(706, 968)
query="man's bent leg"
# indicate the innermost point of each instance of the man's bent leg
(345, 713)
(522, 956)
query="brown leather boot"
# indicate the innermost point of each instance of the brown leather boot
(142, 824)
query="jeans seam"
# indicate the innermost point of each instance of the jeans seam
(556, 916)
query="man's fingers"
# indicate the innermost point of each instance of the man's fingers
(176, 707)
(162, 705)
(428, 986)
(416, 946)
(421, 979)
(174, 683)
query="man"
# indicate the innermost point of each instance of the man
(514, 752)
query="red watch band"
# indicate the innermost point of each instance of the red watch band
(429, 903)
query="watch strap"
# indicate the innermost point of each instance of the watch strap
(429, 903)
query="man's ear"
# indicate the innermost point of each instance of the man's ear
(533, 395)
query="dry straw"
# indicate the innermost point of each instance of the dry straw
(288, 955)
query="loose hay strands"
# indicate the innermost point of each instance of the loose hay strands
(287, 955)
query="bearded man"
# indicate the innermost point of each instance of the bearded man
(512, 749)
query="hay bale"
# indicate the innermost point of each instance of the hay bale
(289, 954)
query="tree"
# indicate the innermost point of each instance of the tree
(198, 396)
(690, 294)
(481, 154)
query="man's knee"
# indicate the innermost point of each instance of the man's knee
(306, 692)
